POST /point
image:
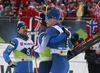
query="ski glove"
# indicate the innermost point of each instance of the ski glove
(12, 64)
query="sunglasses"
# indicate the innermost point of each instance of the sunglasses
(47, 18)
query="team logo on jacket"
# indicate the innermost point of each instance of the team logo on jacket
(21, 43)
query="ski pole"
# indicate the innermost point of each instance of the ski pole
(35, 59)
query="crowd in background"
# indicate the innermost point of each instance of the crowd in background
(68, 8)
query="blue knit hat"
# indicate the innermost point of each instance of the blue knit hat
(20, 24)
(53, 14)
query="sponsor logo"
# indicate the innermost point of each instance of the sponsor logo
(10, 47)
(28, 44)
(61, 51)
(21, 43)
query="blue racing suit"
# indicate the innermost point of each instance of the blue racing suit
(45, 56)
(21, 48)
(58, 48)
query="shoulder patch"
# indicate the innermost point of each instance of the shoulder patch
(13, 43)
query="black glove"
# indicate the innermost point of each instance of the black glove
(12, 64)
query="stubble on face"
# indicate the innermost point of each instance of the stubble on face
(23, 30)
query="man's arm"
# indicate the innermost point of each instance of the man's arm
(50, 38)
(12, 45)
(47, 37)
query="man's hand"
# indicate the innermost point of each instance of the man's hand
(12, 64)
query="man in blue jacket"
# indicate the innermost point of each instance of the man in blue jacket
(21, 46)
(58, 48)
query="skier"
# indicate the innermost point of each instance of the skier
(59, 50)
(21, 46)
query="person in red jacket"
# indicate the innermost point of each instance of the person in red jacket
(20, 12)
(30, 11)
(24, 2)
(18, 2)
(71, 11)
(92, 10)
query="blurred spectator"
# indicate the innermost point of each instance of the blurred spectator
(63, 10)
(53, 1)
(12, 12)
(53, 6)
(71, 12)
(30, 11)
(69, 5)
(96, 1)
(9, 7)
(1, 10)
(38, 6)
(92, 10)
(48, 2)
(18, 2)
(62, 6)
(24, 2)
(88, 3)
(32, 2)
(6, 3)
(76, 4)
(20, 12)
(93, 56)
(86, 12)
(57, 4)
(40, 2)
(13, 6)
(43, 9)
(6, 11)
